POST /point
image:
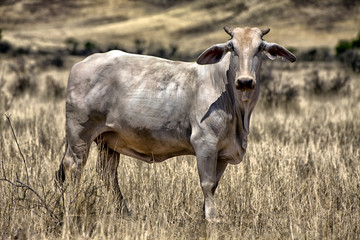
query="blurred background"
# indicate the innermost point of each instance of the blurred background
(171, 28)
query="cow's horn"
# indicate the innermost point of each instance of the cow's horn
(265, 31)
(228, 30)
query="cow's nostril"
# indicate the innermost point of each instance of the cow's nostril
(245, 83)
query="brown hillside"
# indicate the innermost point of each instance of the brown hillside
(190, 25)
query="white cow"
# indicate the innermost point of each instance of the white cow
(153, 109)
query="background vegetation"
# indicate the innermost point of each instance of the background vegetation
(300, 177)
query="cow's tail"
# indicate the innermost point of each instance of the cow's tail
(60, 174)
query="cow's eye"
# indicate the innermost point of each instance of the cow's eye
(261, 47)
(231, 46)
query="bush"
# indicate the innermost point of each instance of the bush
(55, 59)
(356, 42)
(348, 53)
(5, 46)
(72, 45)
(53, 88)
(319, 86)
(275, 94)
(342, 47)
(90, 47)
(351, 58)
(345, 45)
(156, 49)
(24, 82)
(139, 45)
(339, 83)
(21, 51)
(316, 54)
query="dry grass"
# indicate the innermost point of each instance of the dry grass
(300, 179)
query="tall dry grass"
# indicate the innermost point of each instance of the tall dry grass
(300, 179)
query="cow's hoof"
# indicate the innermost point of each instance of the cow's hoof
(122, 209)
(214, 220)
(211, 214)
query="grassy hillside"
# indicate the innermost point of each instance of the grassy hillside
(190, 25)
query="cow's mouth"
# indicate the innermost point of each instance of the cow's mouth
(245, 95)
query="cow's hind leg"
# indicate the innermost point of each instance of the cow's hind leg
(108, 162)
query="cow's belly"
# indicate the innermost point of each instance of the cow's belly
(146, 145)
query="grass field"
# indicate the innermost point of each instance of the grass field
(300, 178)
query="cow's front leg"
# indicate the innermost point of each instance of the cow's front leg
(206, 163)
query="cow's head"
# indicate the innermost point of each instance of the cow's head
(246, 46)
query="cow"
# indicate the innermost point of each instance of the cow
(153, 109)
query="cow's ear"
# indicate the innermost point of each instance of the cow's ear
(273, 50)
(213, 54)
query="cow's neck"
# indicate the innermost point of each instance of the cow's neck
(241, 105)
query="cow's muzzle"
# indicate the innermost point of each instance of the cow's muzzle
(245, 83)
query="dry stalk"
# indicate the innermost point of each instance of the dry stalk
(20, 184)
(27, 186)
(18, 146)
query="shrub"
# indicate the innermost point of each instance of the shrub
(53, 88)
(313, 83)
(161, 51)
(72, 45)
(343, 46)
(24, 81)
(90, 47)
(348, 53)
(139, 45)
(21, 51)
(356, 42)
(156, 49)
(275, 94)
(316, 54)
(5, 46)
(319, 86)
(351, 58)
(52, 59)
(339, 83)
(57, 60)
